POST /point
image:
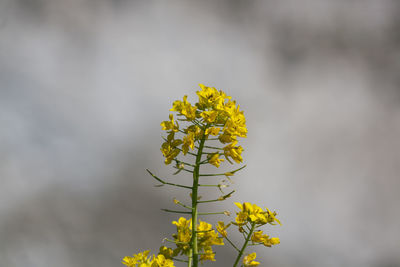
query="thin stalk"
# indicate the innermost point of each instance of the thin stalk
(176, 211)
(220, 174)
(175, 259)
(167, 183)
(221, 198)
(182, 169)
(209, 185)
(233, 245)
(185, 163)
(196, 171)
(211, 213)
(190, 259)
(244, 245)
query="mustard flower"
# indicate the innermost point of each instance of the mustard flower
(161, 261)
(212, 131)
(234, 152)
(170, 125)
(140, 259)
(170, 148)
(259, 237)
(167, 252)
(184, 108)
(209, 97)
(249, 260)
(207, 255)
(221, 228)
(214, 159)
(188, 141)
(209, 116)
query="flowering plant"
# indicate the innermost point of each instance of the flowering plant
(211, 130)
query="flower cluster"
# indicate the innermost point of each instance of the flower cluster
(259, 237)
(209, 131)
(143, 260)
(207, 237)
(254, 214)
(215, 114)
(249, 260)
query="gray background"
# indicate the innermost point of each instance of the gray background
(84, 85)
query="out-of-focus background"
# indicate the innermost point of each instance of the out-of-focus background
(84, 85)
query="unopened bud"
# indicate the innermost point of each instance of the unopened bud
(227, 213)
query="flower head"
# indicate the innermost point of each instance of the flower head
(249, 260)
(215, 114)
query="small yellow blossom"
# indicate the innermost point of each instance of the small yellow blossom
(249, 260)
(161, 261)
(170, 125)
(271, 217)
(234, 152)
(272, 241)
(221, 228)
(250, 212)
(141, 259)
(167, 252)
(188, 141)
(212, 131)
(207, 255)
(215, 160)
(209, 97)
(226, 138)
(169, 149)
(209, 116)
(184, 108)
(259, 237)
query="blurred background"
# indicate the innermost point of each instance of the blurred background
(85, 84)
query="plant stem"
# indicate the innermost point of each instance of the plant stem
(190, 259)
(195, 251)
(244, 245)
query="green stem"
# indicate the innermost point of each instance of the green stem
(164, 182)
(220, 174)
(233, 245)
(244, 245)
(176, 211)
(190, 259)
(196, 171)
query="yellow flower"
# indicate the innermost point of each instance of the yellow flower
(170, 125)
(183, 235)
(271, 217)
(226, 138)
(221, 228)
(141, 258)
(249, 260)
(169, 149)
(184, 108)
(212, 131)
(209, 116)
(188, 141)
(214, 159)
(241, 218)
(258, 237)
(207, 255)
(209, 97)
(161, 261)
(167, 252)
(198, 132)
(207, 236)
(234, 152)
(250, 212)
(271, 241)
